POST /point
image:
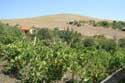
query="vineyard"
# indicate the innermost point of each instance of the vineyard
(87, 59)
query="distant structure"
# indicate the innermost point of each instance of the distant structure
(25, 29)
(123, 29)
(74, 23)
(71, 22)
(33, 30)
(29, 29)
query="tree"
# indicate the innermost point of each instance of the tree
(121, 43)
(108, 45)
(117, 25)
(92, 22)
(88, 42)
(44, 33)
(103, 24)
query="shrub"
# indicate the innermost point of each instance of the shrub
(49, 63)
(92, 22)
(88, 42)
(9, 34)
(44, 33)
(117, 25)
(108, 45)
(121, 43)
(103, 24)
(69, 36)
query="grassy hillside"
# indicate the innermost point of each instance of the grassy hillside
(47, 21)
(60, 21)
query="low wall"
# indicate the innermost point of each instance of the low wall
(115, 77)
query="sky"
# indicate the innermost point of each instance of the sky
(106, 9)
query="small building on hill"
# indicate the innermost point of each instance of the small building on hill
(29, 29)
(33, 30)
(25, 29)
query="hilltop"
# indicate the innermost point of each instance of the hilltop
(58, 20)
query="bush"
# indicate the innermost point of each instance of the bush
(108, 45)
(121, 43)
(44, 33)
(89, 42)
(103, 24)
(9, 34)
(92, 22)
(69, 36)
(68, 53)
(117, 25)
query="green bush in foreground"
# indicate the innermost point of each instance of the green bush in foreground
(91, 59)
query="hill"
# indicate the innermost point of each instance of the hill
(60, 20)
(48, 21)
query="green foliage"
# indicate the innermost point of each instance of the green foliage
(92, 22)
(103, 24)
(88, 42)
(121, 43)
(108, 45)
(117, 25)
(9, 34)
(106, 24)
(44, 33)
(70, 37)
(57, 52)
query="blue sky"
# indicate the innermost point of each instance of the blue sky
(108, 9)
